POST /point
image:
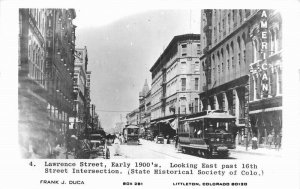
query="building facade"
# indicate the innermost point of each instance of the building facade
(265, 106)
(133, 117)
(176, 81)
(46, 64)
(144, 108)
(80, 77)
(229, 47)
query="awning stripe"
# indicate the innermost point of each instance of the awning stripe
(266, 110)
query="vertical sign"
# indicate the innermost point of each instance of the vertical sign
(263, 52)
(49, 43)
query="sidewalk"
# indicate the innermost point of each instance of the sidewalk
(259, 151)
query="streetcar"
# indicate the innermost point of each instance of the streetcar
(207, 134)
(131, 134)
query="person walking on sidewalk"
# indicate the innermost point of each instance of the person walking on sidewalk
(176, 140)
(270, 140)
(254, 142)
(278, 142)
(117, 146)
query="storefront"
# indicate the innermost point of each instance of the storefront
(163, 125)
(266, 121)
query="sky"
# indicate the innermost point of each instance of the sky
(123, 45)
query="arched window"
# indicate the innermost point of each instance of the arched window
(33, 56)
(239, 53)
(243, 47)
(228, 20)
(232, 53)
(227, 57)
(204, 40)
(255, 50)
(241, 15)
(247, 12)
(204, 19)
(219, 62)
(222, 60)
(271, 41)
(234, 16)
(254, 87)
(276, 40)
(213, 63)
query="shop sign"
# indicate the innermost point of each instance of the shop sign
(261, 68)
(263, 51)
(49, 46)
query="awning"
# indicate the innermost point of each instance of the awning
(132, 127)
(266, 110)
(165, 120)
(212, 116)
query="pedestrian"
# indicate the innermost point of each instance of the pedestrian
(278, 142)
(176, 141)
(168, 139)
(117, 146)
(270, 140)
(254, 143)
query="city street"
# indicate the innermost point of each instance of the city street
(153, 150)
(224, 87)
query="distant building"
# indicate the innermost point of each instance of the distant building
(88, 88)
(175, 82)
(119, 127)
(89, 107)
(133, 117)
(144, 107)
(80, 118)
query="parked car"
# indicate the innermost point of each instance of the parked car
(149, 137)
(160, 139)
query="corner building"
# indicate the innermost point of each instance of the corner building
(230, 44)
(46, 65)
(175, 82)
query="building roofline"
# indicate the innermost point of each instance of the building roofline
(175, 39)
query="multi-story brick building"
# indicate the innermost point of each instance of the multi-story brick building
(175, 81)
(230, 43)
(46, 64)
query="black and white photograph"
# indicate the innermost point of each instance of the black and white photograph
(217, 94)
(143, 95)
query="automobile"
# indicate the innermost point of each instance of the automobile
(160, 139)
(149, 137)
(99, 146)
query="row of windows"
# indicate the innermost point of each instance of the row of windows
(54, 112)
(223, 22)
(39, 17)
(183, 84)
(274, 44)
(36, 58)
(184, 49)
(226, 22)
(224, 59)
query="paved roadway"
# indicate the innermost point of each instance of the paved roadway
(151, 150)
